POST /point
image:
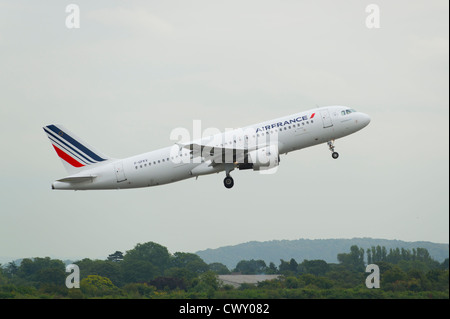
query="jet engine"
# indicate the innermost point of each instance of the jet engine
(263, 158)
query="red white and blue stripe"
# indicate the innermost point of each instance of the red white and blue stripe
(70, 149)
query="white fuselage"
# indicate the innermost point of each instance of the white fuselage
(176, 163)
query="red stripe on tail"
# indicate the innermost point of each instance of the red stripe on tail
(67, 158)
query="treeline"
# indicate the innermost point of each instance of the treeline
(150, 271)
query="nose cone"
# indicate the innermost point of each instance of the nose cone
(364, 120)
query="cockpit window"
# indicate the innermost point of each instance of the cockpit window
(345, 112)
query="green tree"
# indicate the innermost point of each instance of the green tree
(394, 279)
(168, 283)
(97, 286)
(422, 281)
(42, 271)
(309, 280)
(423, 254)
(138, 271)
(181, 273)
(209, 283)
(152, 252)
(315, 267)
(137, 290)
(288, 268)
(369, 256)
(219, 268)
(438, 279)
(116, 257)
(272, 269)
(3, 279)
(354, 260)
(251, 267)
(378, 253)
(190, 262)
(55, 276)
(145, 262)
(11, 269)
(291, 282)
(293, 265)
(104, 268)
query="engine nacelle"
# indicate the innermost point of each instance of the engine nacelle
(264, 158)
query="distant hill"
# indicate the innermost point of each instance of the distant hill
(301, 249)
(4, 261)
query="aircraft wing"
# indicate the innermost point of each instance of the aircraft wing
(220, 155)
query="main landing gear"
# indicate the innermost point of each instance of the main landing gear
(334, 154)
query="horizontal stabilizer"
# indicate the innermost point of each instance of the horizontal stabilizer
(77, 179)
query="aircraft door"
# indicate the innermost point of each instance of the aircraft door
(326, 118)
(120, 174)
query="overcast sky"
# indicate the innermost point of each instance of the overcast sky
(135, 70)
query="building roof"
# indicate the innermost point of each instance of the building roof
(237, 280)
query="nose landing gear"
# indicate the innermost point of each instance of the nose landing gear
(334, 154)
(228, 182)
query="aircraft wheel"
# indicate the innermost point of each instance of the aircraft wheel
(335, 155)
(228, 182)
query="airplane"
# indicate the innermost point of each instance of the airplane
(257, 147)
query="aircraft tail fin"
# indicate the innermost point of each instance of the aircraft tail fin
(75, 154)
